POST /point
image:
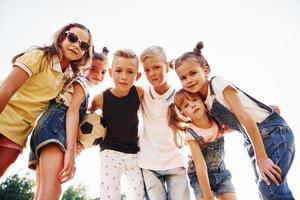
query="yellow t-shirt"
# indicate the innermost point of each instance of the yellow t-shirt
(45, 81)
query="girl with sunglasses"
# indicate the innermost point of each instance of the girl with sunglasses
(53, 139)
(38, 75)
(267, 137)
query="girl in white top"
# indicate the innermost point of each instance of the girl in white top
(268, 138)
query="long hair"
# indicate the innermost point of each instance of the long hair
(55, 47)
(175, 121)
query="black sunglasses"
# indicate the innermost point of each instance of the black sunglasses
(72, 37)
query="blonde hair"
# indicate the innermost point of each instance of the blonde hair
(153, 51)
(125, 53)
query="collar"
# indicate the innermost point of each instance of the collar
(56, 64)
(57, 67)
(166, 96)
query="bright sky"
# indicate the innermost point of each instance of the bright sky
(254, 44)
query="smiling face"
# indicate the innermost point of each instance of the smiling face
(192, 77)
(96, 72)
(73, 50)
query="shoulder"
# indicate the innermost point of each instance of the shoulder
(219, 84)
(97, 102)
(31, 60)
(219, 80)
(83, 82)
(140, 92)
(32, 54)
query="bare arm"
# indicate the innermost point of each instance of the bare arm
(72, 120)
(140, 92)
(266, 166)
(97, 102)
(201, 170)
(11, 84)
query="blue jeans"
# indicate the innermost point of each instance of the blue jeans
(280, 147)
(167, 184)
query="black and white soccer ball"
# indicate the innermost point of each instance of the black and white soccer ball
(92, 130)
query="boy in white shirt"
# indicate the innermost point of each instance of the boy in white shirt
(162, 163)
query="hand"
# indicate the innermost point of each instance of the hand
(67, 173)
(275, 108)
(209, 196)
(268, 170)
(79, 148)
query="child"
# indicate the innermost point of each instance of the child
(162, 162)
(207, 171)
(53, 140)
(37, 77)
(271, 144)
(119, 149)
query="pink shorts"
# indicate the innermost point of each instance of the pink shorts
(5, 142)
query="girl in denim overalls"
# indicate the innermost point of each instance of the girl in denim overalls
(53, 140)
(268, 138)
(207, 171)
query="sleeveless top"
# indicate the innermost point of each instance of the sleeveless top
(121, 118)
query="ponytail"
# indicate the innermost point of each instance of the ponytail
(102, 55)
(196, 55)
(198, 47)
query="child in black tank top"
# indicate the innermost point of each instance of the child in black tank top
(119, 149)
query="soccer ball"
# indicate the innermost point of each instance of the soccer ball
(92, 130)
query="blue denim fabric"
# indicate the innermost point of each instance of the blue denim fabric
(278, 141)
(166, 184)
(219, 176)
(213, 153)
(220, 183)
(51, 128)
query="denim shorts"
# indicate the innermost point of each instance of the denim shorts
(220, 183)
(50, 128)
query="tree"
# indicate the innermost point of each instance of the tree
(75, 193)
(17, 187)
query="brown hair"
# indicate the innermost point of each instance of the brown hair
(196, 55)
(102, 56)
(177, 124)
(55, 47)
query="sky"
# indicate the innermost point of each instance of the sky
(254, 44)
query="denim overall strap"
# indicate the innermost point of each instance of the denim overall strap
(222, 115)
(197, 137)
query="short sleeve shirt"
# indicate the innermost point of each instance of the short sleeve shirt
(65, 95)
(219, 84)
(45, 81)
(158, 149)
(209, 135)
